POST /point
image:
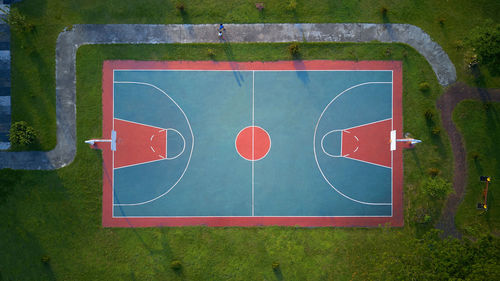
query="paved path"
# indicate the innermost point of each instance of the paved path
(68, 43)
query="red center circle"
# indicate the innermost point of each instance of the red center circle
(253, 143)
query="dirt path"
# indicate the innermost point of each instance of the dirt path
(446, 103)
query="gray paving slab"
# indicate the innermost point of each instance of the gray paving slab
(69, 41)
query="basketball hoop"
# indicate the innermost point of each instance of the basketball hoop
(112, 141)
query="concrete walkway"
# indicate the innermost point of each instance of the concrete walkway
(69, 42)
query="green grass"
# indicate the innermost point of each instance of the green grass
(33, 53)
(479, 124)
(58, 213)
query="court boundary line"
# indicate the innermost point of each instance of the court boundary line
(315, 153)
(321, 221)
(190, 153)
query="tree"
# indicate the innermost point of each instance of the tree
(484, 46)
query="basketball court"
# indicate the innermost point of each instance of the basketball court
(296, 143)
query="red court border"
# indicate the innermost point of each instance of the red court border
(108, 220)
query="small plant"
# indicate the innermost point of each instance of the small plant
(436, 131)
(459, 44)
(471, 60)
(45, 259)
(433, 172)
(294, 49)
(429, 114)
(292, 5)
(16, 20)
(405, 53)
(384, 11)
(487, 105)
(21, 133)
(474, 155)
(275, 265)
(388, 52)
(180, 7)
(176, 265)
(436, 187)
(422, 216)
(211, 53)
(441, 21)
(259, 6)
(424, 87)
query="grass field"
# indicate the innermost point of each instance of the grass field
(479, 124)
(33, 53)
(57, 214)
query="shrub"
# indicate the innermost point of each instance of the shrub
(292, 5)
(21, 133)
(429, 114)
(275, 265)
(388, 52)
(294, 49)
(16, 20)
(422, 216)
(176, 265)
(424, 87)
(441, 21)
(45, 259)
(433, 172)
(384, 11)
(211, 53)
(436, 131)
(180, 6)
(436, 187)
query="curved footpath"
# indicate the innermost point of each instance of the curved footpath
(446, 104)
(68, 43)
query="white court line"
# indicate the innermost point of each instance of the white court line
(259, 70)
(139, 123)
(253, 216)
(183, 145)
(190, 153)
(152, 148)
(253, 143)
(314, 144)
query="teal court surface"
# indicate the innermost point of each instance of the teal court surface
(301, 143)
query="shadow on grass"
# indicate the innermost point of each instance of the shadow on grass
(416, 159)
(278, 274)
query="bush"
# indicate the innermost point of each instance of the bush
(275, 265)
(176, 265)
(433, 172)
(436, 131)
(384, 11)
(292, 5)
(424, 87)
(45, 259)
(388, 52)
(484, 46)
(436, 187)
(180, 6)
(21, 133)
(16, 20)
(294, 49)
(211, 53)
(429, 114)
